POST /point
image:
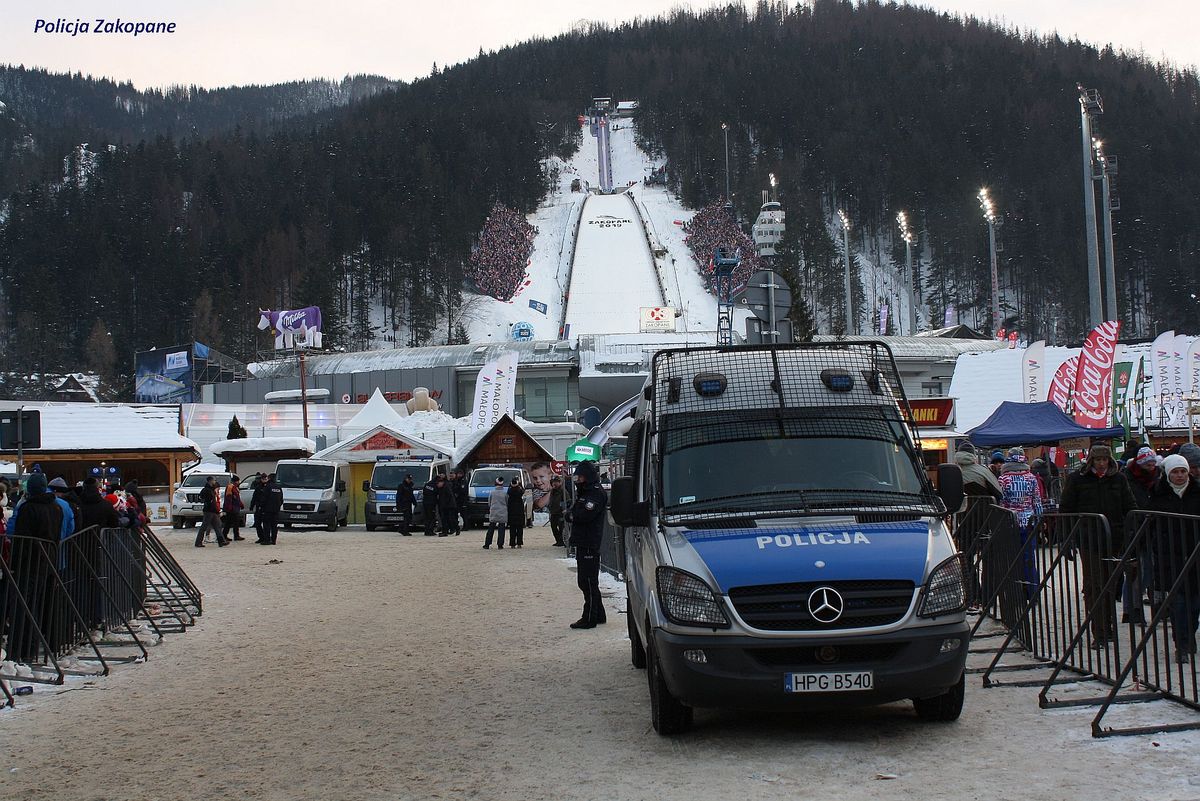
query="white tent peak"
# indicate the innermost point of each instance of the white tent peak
(376, 412)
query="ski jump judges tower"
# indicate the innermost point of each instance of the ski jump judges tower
(724, 263)
(598, 116)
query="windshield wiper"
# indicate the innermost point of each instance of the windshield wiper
(723, 504)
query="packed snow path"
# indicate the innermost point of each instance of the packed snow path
(370, 666)
(613, 273)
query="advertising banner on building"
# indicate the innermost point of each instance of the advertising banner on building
(163, 375)
(1093, 377)
(1033, 373)
(1179, 381)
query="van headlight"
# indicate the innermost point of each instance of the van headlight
(688, 600)
(327, 495)
(944, 592)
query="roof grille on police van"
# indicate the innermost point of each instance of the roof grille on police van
(803, 374)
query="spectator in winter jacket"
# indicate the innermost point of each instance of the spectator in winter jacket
(231, 510)
(133, 495)
(65, 494)
(94, 510)
(1172, 543)
(1191, 452)
(209, 496)
(555, 506)
(497, 513)
(516, 514)
(1142, 473)
(978, 481)
(429, 506)
(1099, 488)
(1022, 494)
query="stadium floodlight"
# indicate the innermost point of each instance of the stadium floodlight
(989, 214)
(728, 196)
(1090, 104)
(1107, 168)
(851, 327)
(906, 235)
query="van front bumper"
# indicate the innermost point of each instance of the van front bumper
(324, 510)
(751, 672)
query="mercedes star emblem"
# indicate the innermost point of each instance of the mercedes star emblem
(825, 604)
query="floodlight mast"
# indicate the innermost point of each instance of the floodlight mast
(1089, 104)
(851, 328)
(907, 235)
(989, 214)
(1106, 170)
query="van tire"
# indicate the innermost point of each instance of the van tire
(176, 522)
(332, 525)
(637, 651)
(370, 527)
(667, 714)
(945, 707)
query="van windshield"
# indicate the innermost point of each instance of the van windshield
(197, 480)
(487, 478)
(304, 476)
(389, 476)
(790, 461)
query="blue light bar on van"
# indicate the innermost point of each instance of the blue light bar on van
(709, 385)
(837, 380)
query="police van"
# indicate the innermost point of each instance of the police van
(380, 508)
(782, 541)
(483, 481)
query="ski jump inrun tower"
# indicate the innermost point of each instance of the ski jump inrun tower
(598, 116)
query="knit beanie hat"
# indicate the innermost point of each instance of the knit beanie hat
(1191, 452)
(1171, 463)
(965, 447)
(1016, 454)
(1146, 457)
(36, 484)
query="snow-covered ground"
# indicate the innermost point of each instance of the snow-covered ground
(386, 667)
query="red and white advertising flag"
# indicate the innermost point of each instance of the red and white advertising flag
(1093, 378)
(1063, 384)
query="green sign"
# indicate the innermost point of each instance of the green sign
(1122, 374)
(583, 451)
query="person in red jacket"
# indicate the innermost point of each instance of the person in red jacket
(231, 510)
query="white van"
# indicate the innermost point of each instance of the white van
(314, 491)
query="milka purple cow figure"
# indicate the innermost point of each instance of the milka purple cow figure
(295, 327)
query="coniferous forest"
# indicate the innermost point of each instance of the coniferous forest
(187, 212)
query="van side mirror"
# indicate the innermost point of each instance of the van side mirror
(366, 485)
(341, 486)
(950, 486)
(626, 510)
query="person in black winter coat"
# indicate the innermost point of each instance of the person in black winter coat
(256, 496)
(94, 508)
(447, 507)
(462, 497)
(587, 530)
(516, 514)
(270, 502)
(212, 513)
(429, 505)
(406, 497)
(1172, 543)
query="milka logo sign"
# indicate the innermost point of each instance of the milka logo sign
(1093, 385)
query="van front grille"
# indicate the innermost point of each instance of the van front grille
(784, 607)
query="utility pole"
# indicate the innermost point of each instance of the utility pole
(1089, 103)
(728, 196)
(851, 328)
(1107, 166)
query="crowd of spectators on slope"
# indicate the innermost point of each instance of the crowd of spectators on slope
(714, 227)
(499, 258)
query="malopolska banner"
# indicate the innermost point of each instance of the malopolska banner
(1033, 372)
(1179, 381)
(495, 391)
(1162, 365)
(1093, 378)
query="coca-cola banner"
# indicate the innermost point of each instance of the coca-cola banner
(1063, 383)
(1033, 372)
(1093, 378)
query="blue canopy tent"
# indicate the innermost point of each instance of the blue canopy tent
(1033, 424)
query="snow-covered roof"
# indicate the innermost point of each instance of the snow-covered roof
(296, 394)
(376, 412)
(263, 444)
(474, 355)
(344, 448)
(71, 427)
(938, 348)
(631, 353)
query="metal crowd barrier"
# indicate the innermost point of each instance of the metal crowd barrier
(1058, 591)
(98, 589)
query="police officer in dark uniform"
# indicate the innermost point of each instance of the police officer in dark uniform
(269, 505)
(587, 528)
(406, 496)
(429, 505)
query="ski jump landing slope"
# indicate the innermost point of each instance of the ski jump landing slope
(613, 273)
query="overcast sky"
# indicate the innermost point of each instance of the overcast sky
(224, 42)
